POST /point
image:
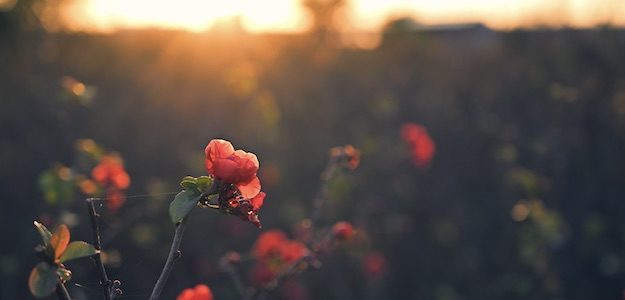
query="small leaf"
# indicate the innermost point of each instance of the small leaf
(44, 232)
(188, 182)
(204, 183)
(59, 240)
(77, 250)
(183, 203)
(43, 279)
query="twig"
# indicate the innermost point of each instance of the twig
(324, 191)
(107, 286)
(61, 292)
(236, 279)
(174, 253)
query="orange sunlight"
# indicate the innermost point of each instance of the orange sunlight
(193, 15)
(361, 15)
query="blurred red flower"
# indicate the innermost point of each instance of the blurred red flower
(268, 243)
(291, 251)
(233, 167)
(374, 264)
(110, 172)
(421, 144)
(274, 252)
(199, 292)
(111, 175)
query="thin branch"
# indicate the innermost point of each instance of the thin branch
(174, 254)
(236, 279)
(326, 176)
(107, 285)
(61, 292)
(322, 195)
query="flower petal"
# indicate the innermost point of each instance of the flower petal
(248, 164)
(257, 201)
(226, 170)
(249, 189)
(216, 149)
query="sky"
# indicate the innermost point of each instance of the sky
(358, 15)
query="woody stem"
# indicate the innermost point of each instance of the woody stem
(174, 254)
(61, 292)
(105, 282)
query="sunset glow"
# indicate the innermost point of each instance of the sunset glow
(359, 15)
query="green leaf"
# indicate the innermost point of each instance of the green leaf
(183, 203)
(204, 183)
(188, 182)
(44, 232)
(43, 279)
(77, 250)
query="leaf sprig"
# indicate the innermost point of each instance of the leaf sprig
(55, 250)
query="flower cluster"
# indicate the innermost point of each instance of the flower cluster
(422, 146)
(199, 292)
(111, 175)
(274, 253)
(96, 172)
(234, 172)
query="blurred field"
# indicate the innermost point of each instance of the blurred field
(523, 200)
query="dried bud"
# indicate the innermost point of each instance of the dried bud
(343, 231)
(232, 257)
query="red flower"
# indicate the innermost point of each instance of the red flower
(199, 292)
(275, 246)
(343, 230)
(111, 175)
(233, 167)
(421, 144)
(274, 253)
(268, 243)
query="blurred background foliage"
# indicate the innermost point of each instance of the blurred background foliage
(523, 200)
